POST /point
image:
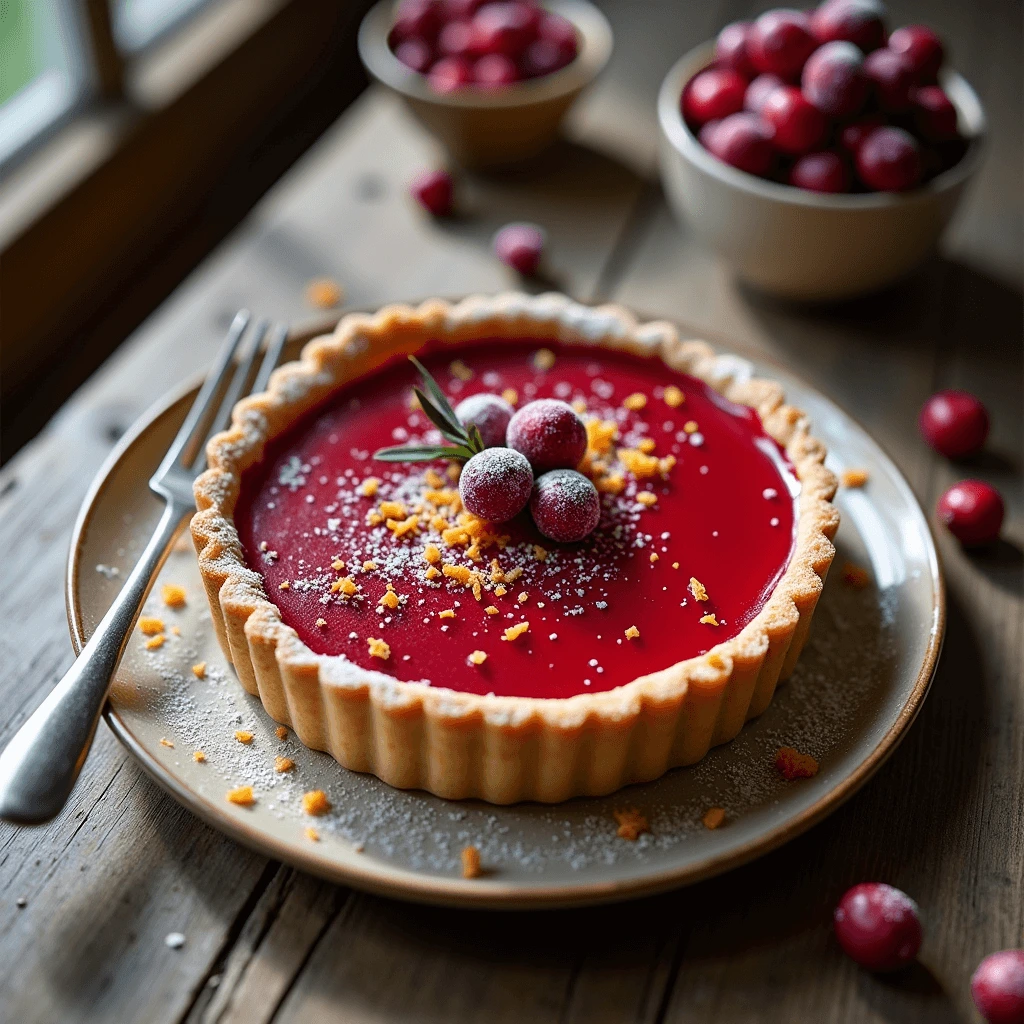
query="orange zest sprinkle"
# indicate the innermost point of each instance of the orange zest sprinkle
(432, 573)
(379, 648)
(432, 554)
(155, 641)
(675, 565)
(613, 483)
(632, 633)
(401, 527)
(389, 599)
(471, 862)
(601, 434)
(242, 736)
(690, 426)
(283, 764)
(515, 631)
(446, 613)
(172, 595)
(454, 471)
(374, 518)
(149, 626)
(632, 824)
(539, 553)
(791, 764)
(639, 464)
(433, 478)
(709, 619)
(647, 498)
(635, 402)
(697, 589)
(674, 397)
(321, 623)
(315, 802)
(346, 586)
(393, 510)
(165, 742)
(713, 817)
(490, 610)
(337, 565)
(500, 591)
(199, 757)
(282, 732)
(284, 585)
(243, 796)
(311, 834)
(647, 445)
(856, 577)
(855, 477)
(654, 556)
(368, 488)
(523, 597)
(477, 657)
(369, 565)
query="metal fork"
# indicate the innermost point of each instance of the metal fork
(40, 765)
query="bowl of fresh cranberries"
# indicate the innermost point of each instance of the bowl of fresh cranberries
(819, 153)
(491, 79)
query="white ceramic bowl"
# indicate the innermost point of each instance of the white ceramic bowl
(807, 245)
(481, 128)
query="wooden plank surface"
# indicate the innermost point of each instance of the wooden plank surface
(123, 865)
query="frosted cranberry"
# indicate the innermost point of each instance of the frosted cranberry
(780, 41)
(934, 114)
(457, 39)
(565, 505)
(834, 81)
(495, 484)
(892, 79)
(549, 433)
(877, 926)
(450, 74)
(418, 19)
(799, 125)
(922, 47)
(506, 28)
(731, 49)
(558, 30)
(490, 414)
(998, 987)
(544, 57)
(972, 511)
(759, 90)
(744, 141)
(494, 71)
(415, 54)
(954, 423)
(852, 135)
(712, 95)
(520, 246)
(433, 190)
(820, 172)
(861, 22)
(889, 160)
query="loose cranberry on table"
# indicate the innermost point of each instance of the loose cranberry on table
(731, 49)
(548, 433)
(861, 22)
(834, 81)
(889, 160)
(892, 80)
(824, 171)
(742, 141)
(780, 41)
(495, 484)
(798, 124)
(922, 48)
(520, 246)
(565, 505)
(878, 926)
(490, 414)
(998, 987)
(934, 114)
(954, 423)
(434, 191)
(712, 95)
(972, 511)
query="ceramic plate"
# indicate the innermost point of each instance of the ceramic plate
(859, 684)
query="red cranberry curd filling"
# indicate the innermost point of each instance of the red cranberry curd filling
(379, 563)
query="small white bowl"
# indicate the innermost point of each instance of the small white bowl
(806, 245)
(482, 128)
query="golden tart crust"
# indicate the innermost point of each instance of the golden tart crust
(504, 749)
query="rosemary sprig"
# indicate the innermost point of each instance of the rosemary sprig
(465, 441)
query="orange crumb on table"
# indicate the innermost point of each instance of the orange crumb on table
(791, 764)
(242, 736)
(379, 648)
(172, 595)
(345, 585)
(478, 657)
(674, 397)
(243, 796)
(165, 742)
(855, 477)
(150, 626)
(155, 641)
(697, 589)
(713, 817)
(647, 498)
(323, 293)
(631, 824)
(856, 577)
(283, 764)
(543, 359)
(515, 631)
(311, 834)
(282, 732)
(471, 862)
(315, 802)
(199, 757)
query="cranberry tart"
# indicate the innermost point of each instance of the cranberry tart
(357, 594)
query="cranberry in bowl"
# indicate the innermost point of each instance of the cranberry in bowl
(491, 80)
(814, 183)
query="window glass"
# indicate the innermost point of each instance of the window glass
(137, 23)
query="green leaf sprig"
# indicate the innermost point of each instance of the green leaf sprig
(465, 441)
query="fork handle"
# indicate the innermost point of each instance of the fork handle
(40, 765)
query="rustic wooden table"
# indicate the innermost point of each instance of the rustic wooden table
(87, 900)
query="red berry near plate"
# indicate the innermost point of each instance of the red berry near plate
(490, 414)
(565, 505)
(780, 41)
(824, 171)
(833, 80)
(457, 39)
(495, 71)
(954, 423)
(972, 511)
(799, 125)
(852, 135)
(861, 22)
(495, 484)
(548, 433)
(878, 926)
(450, 74)
(506, 28)
(889, 160)
(922, 47)
(712, 95)
(759, 90)
(743, 141)
(892, 80)
(731, 49)
(415, 54)
(520, 246)
(433, 190)
(934, 114)
(997, 987)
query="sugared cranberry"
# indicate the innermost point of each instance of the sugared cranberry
(759, 90)
(565, 505)
(780, 41)
(954, 423)
(852, 135)
(544, 57)
(892, 79)
(490, 414)
(834, 81)
(824, 171)
(922, 47)
(506, 28)
(495, 70)
(495, 484)
(861, 22)
(889, 160)
(415, 54)
(712, 95)
(558, 30)
(972, 511)
(998, 987)
(418, 19)
(799, 125)
(457, 39)
(731, 49)
(934, 114)
(549, 433)
(743, 140)
(433, 190)
(450, 74)
(877, 926)
(520, 246)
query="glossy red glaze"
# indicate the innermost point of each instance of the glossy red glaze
(726, 514)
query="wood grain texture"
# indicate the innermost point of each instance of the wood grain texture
(123, 865)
